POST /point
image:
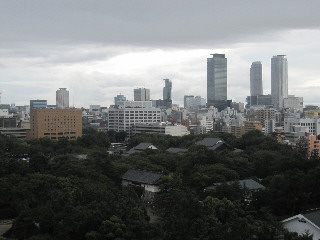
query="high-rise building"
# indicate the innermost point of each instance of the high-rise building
(62, 98)
(128, 113)
(55, 123)
(186, 100)
(37, 104)
(256, 79)
(194, 102)
(216, 79)
(119, 98)
(167, 89)
(141, 94)
(279, 80)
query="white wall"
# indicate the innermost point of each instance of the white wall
(176, 130)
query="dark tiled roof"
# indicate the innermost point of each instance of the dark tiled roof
(209, 142)
(142, 146)
(131, 151)
(214, 143)
(313, 216)
(177, 150)
(142, 176)
(251, 184)
(218, 145)
(246, 183)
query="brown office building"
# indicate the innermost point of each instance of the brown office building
(55, 123)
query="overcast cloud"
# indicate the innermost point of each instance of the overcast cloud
(98, 49)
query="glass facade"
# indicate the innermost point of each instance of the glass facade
(279, 80)
(256, 79)
(38, 104)
(216, 78)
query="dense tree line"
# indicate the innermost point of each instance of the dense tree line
(52, 193)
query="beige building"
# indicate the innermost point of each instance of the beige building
(252, 125)
(265, 114)
(55, 123)
(237, 131)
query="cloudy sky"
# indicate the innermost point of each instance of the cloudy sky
(100, 48)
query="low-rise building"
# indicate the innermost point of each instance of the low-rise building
(237, 131)
(141, 147)
(252, 125)
(145, 182)
(214, 144)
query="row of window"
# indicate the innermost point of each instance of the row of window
(59, 133)
(62, 137)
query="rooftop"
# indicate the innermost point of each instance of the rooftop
(142, 176)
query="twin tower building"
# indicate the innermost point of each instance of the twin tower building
(217, 80)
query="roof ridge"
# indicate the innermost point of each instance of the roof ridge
(142, 170)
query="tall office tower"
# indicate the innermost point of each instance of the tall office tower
(216, 79)
(119, 98)
(62, 98)
(279, 80)
(167, 89)
(141, 94)
(256, 79)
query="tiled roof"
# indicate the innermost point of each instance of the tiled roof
(251, 184)
(245, 183)
(141, 176)
(177, 150)
(209, 142)
(313, 216)
(142, 146)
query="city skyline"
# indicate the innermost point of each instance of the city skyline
(44, 47)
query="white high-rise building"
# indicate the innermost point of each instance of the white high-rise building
(128, 113)
(216, 79)
(279, 80)
(141, 94)
(62, 98)
(256, 79)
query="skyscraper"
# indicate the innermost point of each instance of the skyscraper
(256, 79)
(167, 89)
(216, 79)
(141, 94)
(119, 98)
(279, 80)
(62, 98)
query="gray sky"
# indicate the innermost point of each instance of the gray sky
(100, 48)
